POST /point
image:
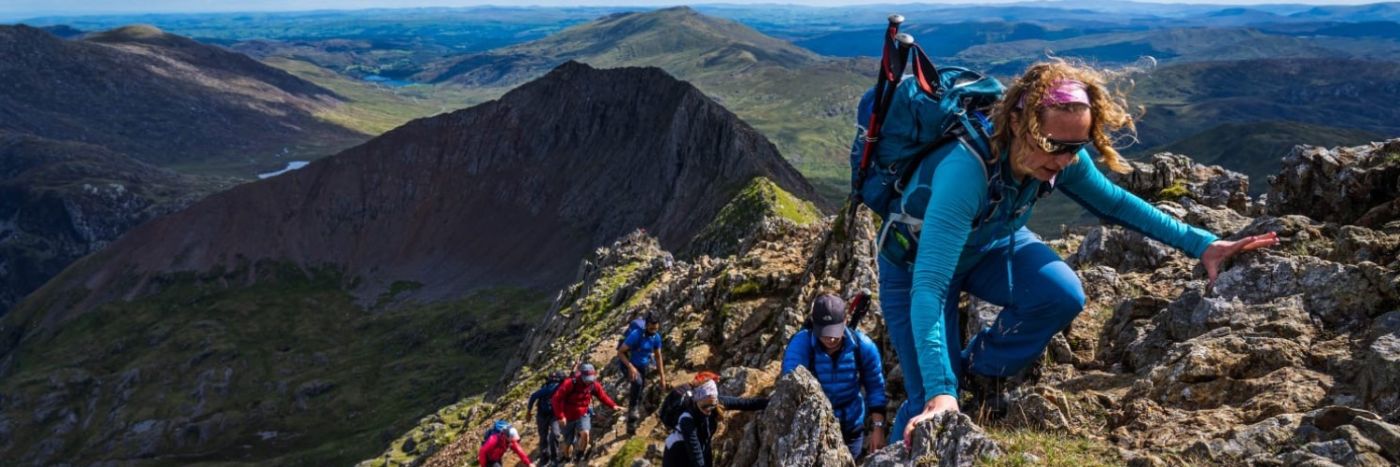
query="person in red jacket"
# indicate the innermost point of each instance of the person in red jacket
(571, 403)
(493, 451)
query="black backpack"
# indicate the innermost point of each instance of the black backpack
(674, 405)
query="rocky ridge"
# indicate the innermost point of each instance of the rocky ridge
(1289, 359)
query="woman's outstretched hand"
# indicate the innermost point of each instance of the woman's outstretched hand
(939, 404)
(1221, 250)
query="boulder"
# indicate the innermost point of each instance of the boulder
(950, 439)
(797, 429)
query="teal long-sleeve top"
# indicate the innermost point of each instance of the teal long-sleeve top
(957, 192)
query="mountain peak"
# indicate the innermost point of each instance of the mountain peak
(134, 32)
(563, 164)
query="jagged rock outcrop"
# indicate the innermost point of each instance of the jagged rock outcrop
(798, 428)
(948, 440)
(1356, 185)
(1173, 176)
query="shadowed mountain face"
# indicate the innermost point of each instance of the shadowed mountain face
(309, 298)
(60, 201)
(161, 98)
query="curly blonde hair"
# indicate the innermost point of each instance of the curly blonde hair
(1110, 118)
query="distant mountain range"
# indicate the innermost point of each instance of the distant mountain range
(91, 124)
(284, 306)
(1185, 99)
(163, 99)
(798, 99)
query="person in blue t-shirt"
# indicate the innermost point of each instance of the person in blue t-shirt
(640, 353)
(846, 362)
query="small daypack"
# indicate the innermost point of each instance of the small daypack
(639, 323)
(501, 426)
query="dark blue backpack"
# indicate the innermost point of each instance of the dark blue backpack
(547, 402)
(501, 426)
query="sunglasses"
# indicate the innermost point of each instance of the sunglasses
(707, 406)
(1059, 148)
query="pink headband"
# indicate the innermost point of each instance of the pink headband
(1062, 91)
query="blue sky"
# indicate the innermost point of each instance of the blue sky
(31, 8)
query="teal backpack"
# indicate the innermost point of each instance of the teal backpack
(901, 122)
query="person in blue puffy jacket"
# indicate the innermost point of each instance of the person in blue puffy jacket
(1041, 127)
(846, 362)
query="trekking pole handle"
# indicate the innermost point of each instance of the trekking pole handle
(905, 40)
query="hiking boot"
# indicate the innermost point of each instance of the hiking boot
(990, 395)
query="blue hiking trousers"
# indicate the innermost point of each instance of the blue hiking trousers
(1046, 299)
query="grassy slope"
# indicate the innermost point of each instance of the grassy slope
(1026, 447)
(290, 355)
(373, 108)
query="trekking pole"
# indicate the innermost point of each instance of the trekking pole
(893, 50)
(892, 70)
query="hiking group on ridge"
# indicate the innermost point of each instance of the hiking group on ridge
(953, 162)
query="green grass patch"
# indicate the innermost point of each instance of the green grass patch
(290, 368)
(373, 109)
(758, 199)
(634, 449)
(745, 289)
(1174, 192)
(1051, 449)
(601, 294)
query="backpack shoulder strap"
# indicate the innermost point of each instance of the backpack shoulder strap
(856, 335)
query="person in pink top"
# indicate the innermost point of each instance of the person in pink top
(571, 403)
(493, 451)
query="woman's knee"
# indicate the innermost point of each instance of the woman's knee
(1059, 293)
(1067, 299)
